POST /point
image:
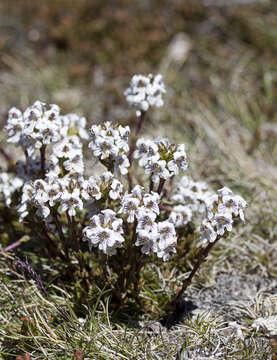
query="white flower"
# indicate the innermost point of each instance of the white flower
(145, 91)
(40, 193)
(90, 189)
(157, 170)
(67, 156)
(43, 211)
(180, 216)
(27, 192)
(223, 221)
(121, 140)
(104, 148)
(194, 196)
(176, 218)
(148, 241)
(146, 220)
(167, 240)
(38, 125)
(75, 164)
(53, 172)
(116, 189)
(229, 204)
(71, 201)
(8, 186)
(73, 124)
(210, 203)
(129, 206)
(180, 159)
(105, 232)
(234, 204)
(106, 239)
(54, 192)
(110, 143)
(224, 191)
(138, 204)
(151, 202)
(160, 158)
(14, 126)
(105, 179)
(145, 149)
(208, 232)
(63, 149)
(122, 163)
(138, 192)
(22, 211)
(166, 253)
(242, 204)
(42, 125)
(166, 232)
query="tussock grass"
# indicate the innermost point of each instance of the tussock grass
(35, 325)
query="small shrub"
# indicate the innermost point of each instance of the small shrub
(132, 214)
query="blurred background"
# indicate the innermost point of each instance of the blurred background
(218, 59)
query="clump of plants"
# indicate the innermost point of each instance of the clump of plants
(106, 227)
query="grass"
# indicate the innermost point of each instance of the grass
(34, 324)
(221, 102)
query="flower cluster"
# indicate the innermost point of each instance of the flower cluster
(45, 194)
(152, 236)
(137, 202)
(53, 181)
(190, 197)
(105, 186)
(221, 209)
(38, 125)
(72, 124)
(66, 158)
(105, 231)
(160, 158)
(52, 189)
(145, 91)
(8, 185)
(110, 144)
(67, 193)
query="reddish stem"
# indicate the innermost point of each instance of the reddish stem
(161, 185)
(12, 246)
(177, 302)
(8, 158)
(132, 147)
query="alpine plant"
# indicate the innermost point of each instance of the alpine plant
(113, 211)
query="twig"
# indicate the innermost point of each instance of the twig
(161, 185)
(132, 147)
(151, 186)
(61, 234)
(8, 158)
(177, 302)
(42, 159)
(14, 245)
